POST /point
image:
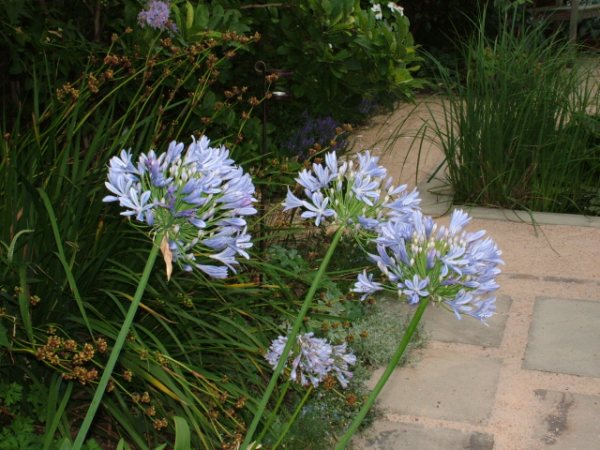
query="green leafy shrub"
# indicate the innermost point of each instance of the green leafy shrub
(339, 53)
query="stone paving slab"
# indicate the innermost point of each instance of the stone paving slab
(445, 384)
(564, 337)
(442, 325)
(567, 421)
(404, 436)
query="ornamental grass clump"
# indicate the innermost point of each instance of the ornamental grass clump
(514, 131)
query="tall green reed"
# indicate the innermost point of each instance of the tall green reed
(511, 126)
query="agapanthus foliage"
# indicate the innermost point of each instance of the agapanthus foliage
(198, 198)
(356, 192)
(452, 267)
(312, 359)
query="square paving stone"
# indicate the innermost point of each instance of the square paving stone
(567, 421)
(442, 325)
(404, 436)
(445, 384)
(564, 337)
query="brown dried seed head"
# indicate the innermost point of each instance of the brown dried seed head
(160, 424)
(351, 399)
(145, 398)
(101, 345)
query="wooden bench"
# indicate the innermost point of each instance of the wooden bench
(573, 13)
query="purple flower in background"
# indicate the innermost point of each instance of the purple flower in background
(156, 15)
(312, 359)
(315, 130)
(451, 266)
(199, 199)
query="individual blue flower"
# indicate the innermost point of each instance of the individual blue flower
(198, 200)
(317, 209)
(292, 202)
(415, 289)
(366, 189)
(365, 285)
(138, 205)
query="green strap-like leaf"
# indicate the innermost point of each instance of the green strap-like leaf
(182, 434)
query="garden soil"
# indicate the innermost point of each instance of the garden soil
(531, 380)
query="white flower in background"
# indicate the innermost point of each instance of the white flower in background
(376, 8)
(395, 8)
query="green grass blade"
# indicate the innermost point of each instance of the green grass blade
(182, 434)
(63, 259)
(54, 417)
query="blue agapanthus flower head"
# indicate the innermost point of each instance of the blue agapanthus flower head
(355, 192)
(198, 198)
(455, 268)
(312, 359)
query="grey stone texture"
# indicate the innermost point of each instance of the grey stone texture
(567, 421)
(406, 436)
(444, 384)
(565, 337)
(442, 325)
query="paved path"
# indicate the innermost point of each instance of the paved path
(531, 380)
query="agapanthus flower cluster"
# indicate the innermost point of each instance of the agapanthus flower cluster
(312, 359)
(451, 266)
(156, 15)
(198, 198)
(355, 192)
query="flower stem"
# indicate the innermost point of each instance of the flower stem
(291, 338)
(410, 330)
(114, 354)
